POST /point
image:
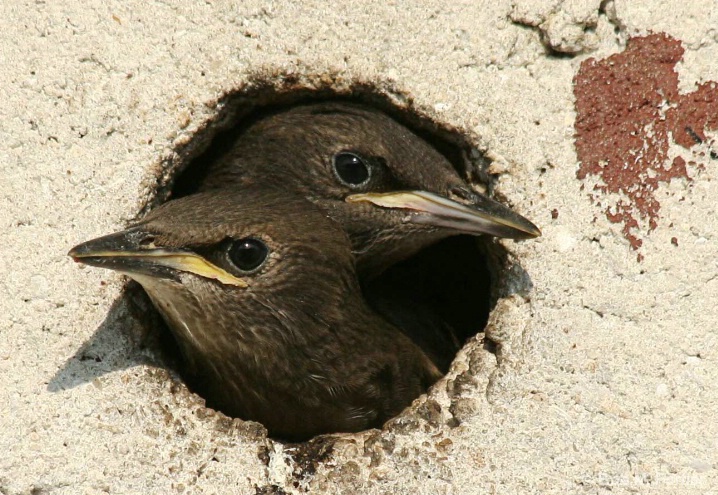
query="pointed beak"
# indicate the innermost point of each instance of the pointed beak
(133, 253)
(481, 215)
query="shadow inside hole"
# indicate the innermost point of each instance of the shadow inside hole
(445, 286)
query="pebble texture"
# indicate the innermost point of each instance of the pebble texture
(604, 379)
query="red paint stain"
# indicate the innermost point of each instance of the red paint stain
(628, 112)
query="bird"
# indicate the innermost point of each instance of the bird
(260, 290)
(390, 190)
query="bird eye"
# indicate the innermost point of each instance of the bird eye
(351, 169)
(248, 254)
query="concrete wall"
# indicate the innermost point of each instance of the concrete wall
(605, 379)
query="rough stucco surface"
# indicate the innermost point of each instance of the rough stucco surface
(606, 374)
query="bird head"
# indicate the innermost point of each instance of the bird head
(234, 272)
(391, 191)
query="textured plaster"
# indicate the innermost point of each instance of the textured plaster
(604, 376)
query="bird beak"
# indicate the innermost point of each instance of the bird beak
(481, 216)
(133, 253)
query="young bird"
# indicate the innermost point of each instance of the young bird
(259, 288)
(391, 191)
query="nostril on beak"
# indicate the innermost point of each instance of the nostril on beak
(461, 194)
(147, 242)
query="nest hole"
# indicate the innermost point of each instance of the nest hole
(454, 279)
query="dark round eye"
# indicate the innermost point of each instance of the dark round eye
(351, 169)
(248, 254)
